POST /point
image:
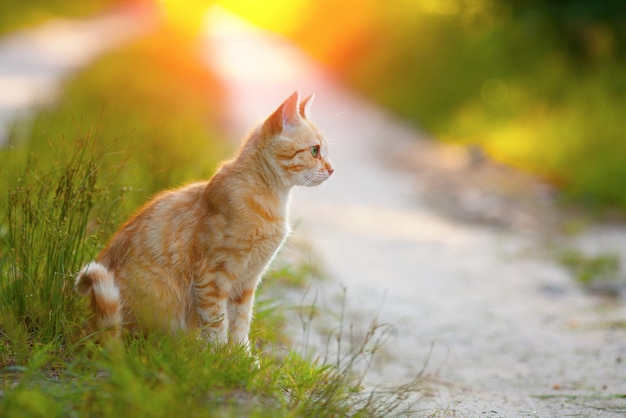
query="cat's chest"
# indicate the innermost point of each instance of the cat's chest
(246, 236)
(247, 253)
(265, 237)
(262, 221)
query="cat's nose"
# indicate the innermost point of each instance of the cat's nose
(330, 170)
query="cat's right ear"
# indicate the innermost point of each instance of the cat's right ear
(305, 106)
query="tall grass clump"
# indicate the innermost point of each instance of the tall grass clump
(47, 214)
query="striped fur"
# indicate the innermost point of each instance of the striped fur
(191, 258)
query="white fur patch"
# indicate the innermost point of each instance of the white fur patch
(103, 282)
(93, 267)
(107, 290)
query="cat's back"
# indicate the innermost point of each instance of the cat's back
(173, 208)
(177, 204)
(166, 222)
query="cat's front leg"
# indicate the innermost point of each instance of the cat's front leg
(240, 315)
(212, 306)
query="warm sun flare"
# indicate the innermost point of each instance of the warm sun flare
(186, 15)
(280, 16)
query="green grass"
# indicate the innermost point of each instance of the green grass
(167, 376)
(48, 369)
(139, 120)
(588, 269)
(45, 219)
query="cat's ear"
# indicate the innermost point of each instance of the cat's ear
(290, 113)
(305, 106)
(284, 118)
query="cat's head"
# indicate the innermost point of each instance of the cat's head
(297, 147)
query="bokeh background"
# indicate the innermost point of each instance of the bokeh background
(539, 85)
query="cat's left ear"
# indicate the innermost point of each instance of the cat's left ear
(286, 117)
(305, 106)
(289, 112)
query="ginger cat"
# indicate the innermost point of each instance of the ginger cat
(191, 258)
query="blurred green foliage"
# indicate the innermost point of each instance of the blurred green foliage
(538, 84)
(153, 106)
(17, 14)
(590, 268)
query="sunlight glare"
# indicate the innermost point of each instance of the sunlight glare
(281, 16)
(246, 57)
(186, 16)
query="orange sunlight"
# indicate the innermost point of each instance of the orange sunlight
(330, 31)
(281, 16)
(185, 16)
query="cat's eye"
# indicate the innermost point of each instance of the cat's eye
(315, 151)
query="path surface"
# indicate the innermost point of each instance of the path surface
(512, 334)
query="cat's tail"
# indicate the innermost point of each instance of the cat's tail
(97, 282)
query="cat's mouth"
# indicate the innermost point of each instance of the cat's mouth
(317, 178)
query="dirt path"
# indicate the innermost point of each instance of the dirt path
(512, 334)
